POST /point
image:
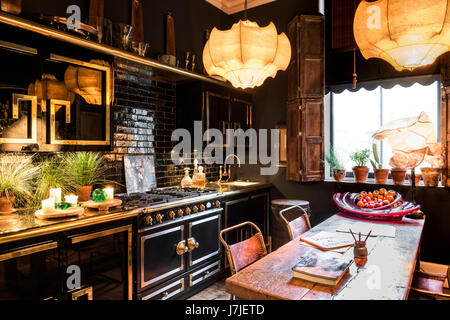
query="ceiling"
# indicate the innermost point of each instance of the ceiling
(234, 6)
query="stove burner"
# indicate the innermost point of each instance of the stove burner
(161, 195)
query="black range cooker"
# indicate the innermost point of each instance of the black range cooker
(178, 248)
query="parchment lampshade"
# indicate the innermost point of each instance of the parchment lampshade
(412, 140)
(247, 54)
(406, 33)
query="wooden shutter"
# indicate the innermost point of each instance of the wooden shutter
(445, 119)
(305, 106)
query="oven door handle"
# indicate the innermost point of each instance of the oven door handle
(181, 248)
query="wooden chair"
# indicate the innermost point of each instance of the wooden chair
(242, 254)
(297, 226)
(431, 281)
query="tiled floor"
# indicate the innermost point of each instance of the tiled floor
(213, 292)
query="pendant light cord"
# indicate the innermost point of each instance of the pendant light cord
(245, 10)
(355, 75)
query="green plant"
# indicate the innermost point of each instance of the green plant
(84, 168)
(17, 175)
(376, 163)
(52, 175)
(360, 158)
(333, 160)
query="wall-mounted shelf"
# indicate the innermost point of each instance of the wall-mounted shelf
(167, 71)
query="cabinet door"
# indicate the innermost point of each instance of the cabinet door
(217, 111)
(30, 273)
(236, 211)
(258, 212)
(203, 232)
(105, 262)
(158, 257)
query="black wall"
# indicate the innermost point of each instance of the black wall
(192, 18)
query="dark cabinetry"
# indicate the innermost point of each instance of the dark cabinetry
(305, 105)
(251, 207)
(84, 264)
(217, 107)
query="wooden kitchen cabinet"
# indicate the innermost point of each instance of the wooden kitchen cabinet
(305, 105)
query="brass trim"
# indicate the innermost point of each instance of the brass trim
(144, 283)
(86, 291)
(16, 98)
(207, 275)
(95, 46)
(100, 234)
(28, 251)
(164, 290)
(108, 97)
(286, 222)
(67, 226)
(191, 224)
(18, 47)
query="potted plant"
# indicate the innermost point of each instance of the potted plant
(361, 171)
(84, 169)
(335, 164)
(398, 175)
(381, 175)
(432, 175)
(17, 175)
(52, 175)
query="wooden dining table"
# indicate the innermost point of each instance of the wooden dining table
(386, 275)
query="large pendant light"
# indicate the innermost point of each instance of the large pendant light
(247, 54)
(406, 33)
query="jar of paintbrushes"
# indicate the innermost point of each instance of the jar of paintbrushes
(360, 249)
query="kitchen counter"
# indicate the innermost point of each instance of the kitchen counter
(23, 224)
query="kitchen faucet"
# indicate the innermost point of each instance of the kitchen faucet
(224, 173)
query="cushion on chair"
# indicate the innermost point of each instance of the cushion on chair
(429, 283)
(298, 226)
(248, 251)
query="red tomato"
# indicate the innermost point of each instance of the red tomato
(386, 202)
(390, 198)
(360, 204)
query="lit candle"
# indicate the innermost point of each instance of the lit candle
(71, 199)
(110, 193)
(56, 194)
(48, 205)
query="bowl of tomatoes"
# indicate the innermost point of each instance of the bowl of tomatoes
(378, 199)
(375, 205)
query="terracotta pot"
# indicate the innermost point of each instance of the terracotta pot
(418, 176)
(361, 173)
(339, 174)
(12, 6)
(84, 193)
(398, 175)
(6, 204)
(431, 176)
(381, 175)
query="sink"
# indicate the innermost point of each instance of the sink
(239, 183)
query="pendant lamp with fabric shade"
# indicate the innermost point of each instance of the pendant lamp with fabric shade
(406, 33)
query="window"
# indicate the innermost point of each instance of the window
(356, 116)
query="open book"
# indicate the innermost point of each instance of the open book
(329, 240)
(322, 267)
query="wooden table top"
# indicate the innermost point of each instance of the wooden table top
(387, 274)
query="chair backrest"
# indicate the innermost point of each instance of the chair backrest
(299, 225)
(244, 253)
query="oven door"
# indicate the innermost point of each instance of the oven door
(203, 238)
(160, 255)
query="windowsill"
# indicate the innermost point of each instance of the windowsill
(389, 182)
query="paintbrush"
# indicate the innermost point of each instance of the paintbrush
(368, 236)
